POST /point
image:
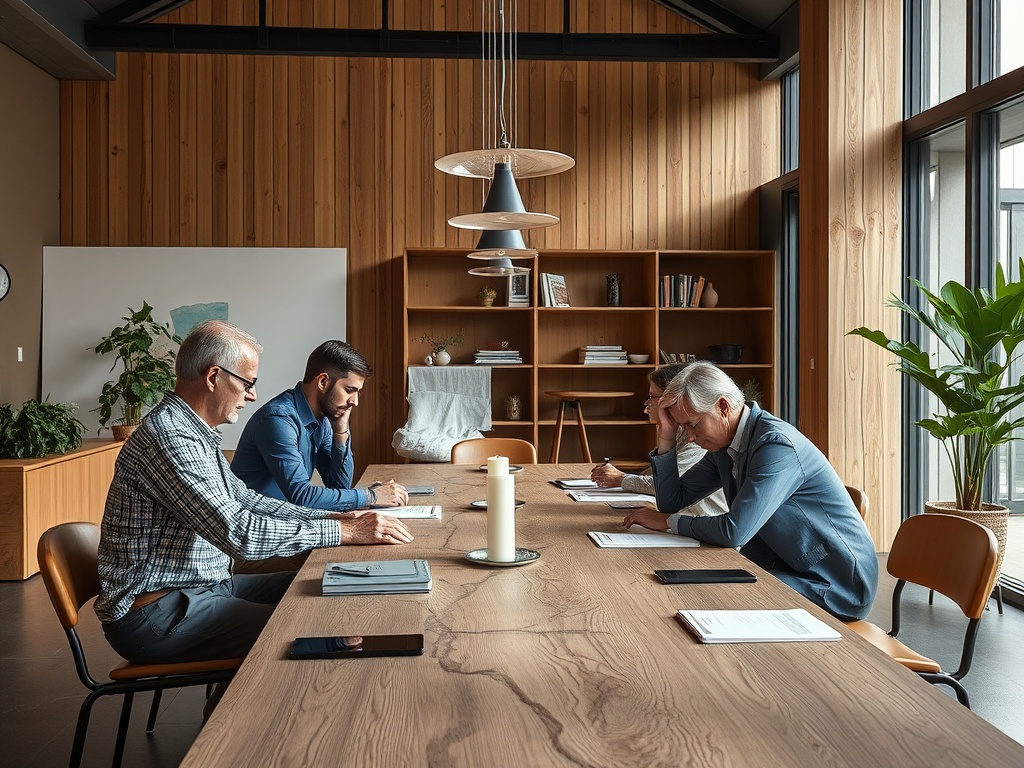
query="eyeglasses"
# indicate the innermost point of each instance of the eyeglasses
(246, 384)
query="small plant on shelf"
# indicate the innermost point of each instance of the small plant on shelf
(439, 344)
(38, 429)
(486, 295)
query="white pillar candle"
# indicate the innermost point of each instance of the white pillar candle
(497, 465)
(501, 517)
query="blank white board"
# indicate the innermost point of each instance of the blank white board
(290, 299)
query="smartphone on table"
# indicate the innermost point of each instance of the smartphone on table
(356, 646)
(707, 576)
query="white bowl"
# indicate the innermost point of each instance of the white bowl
(638, 359)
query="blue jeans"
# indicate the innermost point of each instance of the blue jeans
(221, 621)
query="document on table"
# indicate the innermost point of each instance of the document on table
(639, 537)
(568, 483)
(606, 495)
(412, 513)
(786, 626)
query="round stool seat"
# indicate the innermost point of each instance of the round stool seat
(572, 398)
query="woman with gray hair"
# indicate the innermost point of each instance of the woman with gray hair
(788, 510)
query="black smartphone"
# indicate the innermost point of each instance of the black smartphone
(356, 646)
(707, 576)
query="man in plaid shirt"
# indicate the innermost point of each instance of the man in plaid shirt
(176, 516)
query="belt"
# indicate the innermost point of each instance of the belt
(149, 597)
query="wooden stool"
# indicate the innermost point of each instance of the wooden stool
(572, 399)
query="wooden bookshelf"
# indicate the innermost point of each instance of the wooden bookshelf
(440, 299)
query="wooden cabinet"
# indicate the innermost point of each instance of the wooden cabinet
(440, 299)
(36, 494)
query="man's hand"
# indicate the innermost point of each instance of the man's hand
(340, 426)
(390, 494)
(374, 528)
(607, 476)
(648, 518)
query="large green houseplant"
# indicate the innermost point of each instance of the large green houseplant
(977, 400)
(145, 373)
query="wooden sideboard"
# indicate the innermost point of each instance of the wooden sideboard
(36, 494)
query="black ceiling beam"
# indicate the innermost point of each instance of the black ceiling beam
(711, 16)
(138, 11)
(393, 43)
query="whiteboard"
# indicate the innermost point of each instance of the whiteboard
(290, 299)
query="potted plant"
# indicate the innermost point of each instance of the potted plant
(486, 295)
(146, 373)
(439, 346)
(978, 403)
(38, 429)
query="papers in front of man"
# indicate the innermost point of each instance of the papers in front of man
(639, 537)
(426, 512)
(605, 495)
(377, 577)
(783, 626)
(572, 483)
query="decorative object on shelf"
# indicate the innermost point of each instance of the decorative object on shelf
(5, 282)
(486, 295)
(725, 354)
(752, 390)
(709, 296)
(613, 295)
(428, 360)
(38, 429)
(147, 372)
(639, 359)
(553, 290)
(439, 344)
(442, 357)
(514, 407)
(980, 333)
(519, 290)
(500, 160)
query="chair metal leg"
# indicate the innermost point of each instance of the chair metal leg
(122, 729)
(942, 678)
(931, 596)
(78, 745)
(154, 710)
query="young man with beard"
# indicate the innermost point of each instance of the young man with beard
(308, 427)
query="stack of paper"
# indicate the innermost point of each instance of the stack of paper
(608, 495)
(791, 626)
(569, 483)
(640, 538)
(426, 512)
(377, 577)
(497, 357)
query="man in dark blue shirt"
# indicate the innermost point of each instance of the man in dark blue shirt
(307, 428)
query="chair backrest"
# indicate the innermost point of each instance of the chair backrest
(68, 555)
(952, 555)
(479, 450)
(860, 501)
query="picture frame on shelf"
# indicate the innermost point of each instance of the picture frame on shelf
(519, 290)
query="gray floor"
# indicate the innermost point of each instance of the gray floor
(40, 694)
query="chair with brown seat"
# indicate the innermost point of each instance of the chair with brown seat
(954, 556)
(860, 501)
(68, 562)
(479, 450)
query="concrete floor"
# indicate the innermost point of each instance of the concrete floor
(40, 693)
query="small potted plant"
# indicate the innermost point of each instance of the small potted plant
(486, 295)
(38, 429)
(146, 373)
(439, 346)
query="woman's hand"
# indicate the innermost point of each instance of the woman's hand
(607, 476)
(648, 518)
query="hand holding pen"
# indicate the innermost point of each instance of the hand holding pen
(389, 494)
(607, 476)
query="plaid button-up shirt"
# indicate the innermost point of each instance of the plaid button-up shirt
(176, 515)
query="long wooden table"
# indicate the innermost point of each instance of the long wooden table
(573, 660)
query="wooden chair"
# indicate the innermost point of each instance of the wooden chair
(68, 562)
(860, 501)
(951, 555)
(479, 450)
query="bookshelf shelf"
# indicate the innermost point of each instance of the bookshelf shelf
(439, 298)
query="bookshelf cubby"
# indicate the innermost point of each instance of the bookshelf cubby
(440, 299)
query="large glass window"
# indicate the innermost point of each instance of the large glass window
(790, 120)
(1009, 23)
(936, 33)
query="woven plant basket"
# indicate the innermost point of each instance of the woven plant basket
(122, 432)
(992, 516)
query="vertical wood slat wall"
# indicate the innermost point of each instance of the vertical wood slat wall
(187, 149)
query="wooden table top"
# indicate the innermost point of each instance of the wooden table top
(573, 660)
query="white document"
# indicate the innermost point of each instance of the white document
(569, 482)
(795, 625)
(605, 495)
(411, 513)
(639, 537)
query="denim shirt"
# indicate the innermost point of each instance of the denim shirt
(282, 444)
(788, 511)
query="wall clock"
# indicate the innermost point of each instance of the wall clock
(5, 282)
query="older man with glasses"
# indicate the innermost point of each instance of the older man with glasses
(176, 516)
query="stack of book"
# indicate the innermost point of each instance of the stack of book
(497, 357)
(603, 354)
(377, 577)
(680, 291)
(553, 292)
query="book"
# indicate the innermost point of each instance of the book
(559, 292)
(545, 288)
(780, 626)
(384, 577)
(639, 537)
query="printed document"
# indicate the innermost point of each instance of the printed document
(785, 626)
(639, 537)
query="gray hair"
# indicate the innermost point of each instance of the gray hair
(703, 384)
(212, 343)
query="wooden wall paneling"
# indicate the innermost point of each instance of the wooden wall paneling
(693, 178)
(161, 170)
(96, 223)
(323, 147)
(263, 144)
(450, 130)
(438, 126)
(417, 202)
(401, 178)
(219, 164)
(306, 201)
(117, 157)
(568, 116)
(614, 199)
(143, 178)
(188, 186)
(79, 163)
(280, 179)
(719, 145)
(657, 154)
(344, 114)
(67, 202)
(639, 144)
(744, 186)
(675, 142)
(236, 202)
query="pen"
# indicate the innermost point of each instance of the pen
(350, 571)
(607, 459)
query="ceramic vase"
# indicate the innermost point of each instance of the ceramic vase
(442, 357)
(489, 301)
(709, 298)
(612, 292)
(514, 407)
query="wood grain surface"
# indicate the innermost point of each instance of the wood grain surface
(573, 660)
